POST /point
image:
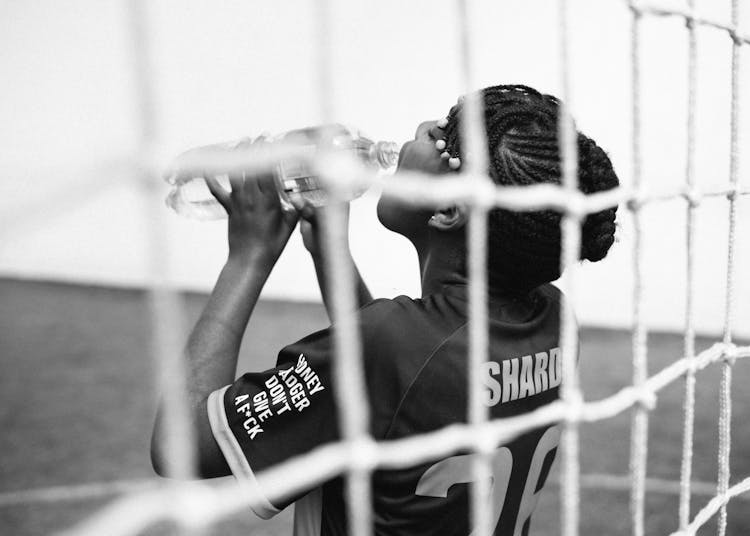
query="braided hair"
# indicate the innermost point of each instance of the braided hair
(521, 126)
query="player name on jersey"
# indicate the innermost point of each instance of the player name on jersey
(290, 388)
(519, 377)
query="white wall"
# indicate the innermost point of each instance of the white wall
(70, 210)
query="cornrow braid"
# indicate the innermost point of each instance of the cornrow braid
(523, 149)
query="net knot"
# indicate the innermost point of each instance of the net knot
(636, 202)
(734, 34)
(635, 8)
(730, 353)
(363, 454)
(734, 193)
(645, 398)
(484, 193)
(485, 441)
(574, 407)
(693, 197)
(575, 205)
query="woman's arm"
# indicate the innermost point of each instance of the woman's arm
(363, 295)
(312, 238)
(258, 230)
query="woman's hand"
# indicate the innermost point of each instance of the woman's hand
(258, 227)
(421, 154)
(310, 227)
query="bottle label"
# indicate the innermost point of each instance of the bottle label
(297, 176)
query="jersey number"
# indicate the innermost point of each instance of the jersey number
(439, 478)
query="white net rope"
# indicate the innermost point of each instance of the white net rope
(197, 504)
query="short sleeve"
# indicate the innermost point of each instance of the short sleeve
(265, 418)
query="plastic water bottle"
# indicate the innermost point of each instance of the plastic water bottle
(295, 180)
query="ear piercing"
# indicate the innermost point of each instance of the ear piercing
(440, 145)
(442, 122)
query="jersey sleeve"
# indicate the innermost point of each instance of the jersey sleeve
(265, 418)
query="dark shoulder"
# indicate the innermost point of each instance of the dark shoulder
(408, 330)
(382, 313)
(376, 320)
(385, 322)
(550, 293)
(552, 297)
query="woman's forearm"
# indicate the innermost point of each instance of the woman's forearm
(363, 295)
(214, 344)
(211, 357)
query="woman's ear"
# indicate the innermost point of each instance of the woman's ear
(449, 219)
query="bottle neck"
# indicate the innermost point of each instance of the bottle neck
(384, 154)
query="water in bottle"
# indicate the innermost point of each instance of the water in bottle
(295, 179)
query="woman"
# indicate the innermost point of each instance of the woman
(414, 350)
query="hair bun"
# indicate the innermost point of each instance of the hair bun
(597, 175)
(598, 235)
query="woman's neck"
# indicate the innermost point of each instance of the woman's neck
(441, 268)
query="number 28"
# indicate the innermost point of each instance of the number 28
(439, 478)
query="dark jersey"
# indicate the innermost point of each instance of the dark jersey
(415, 360)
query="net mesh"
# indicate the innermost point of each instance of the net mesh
(197, 504)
